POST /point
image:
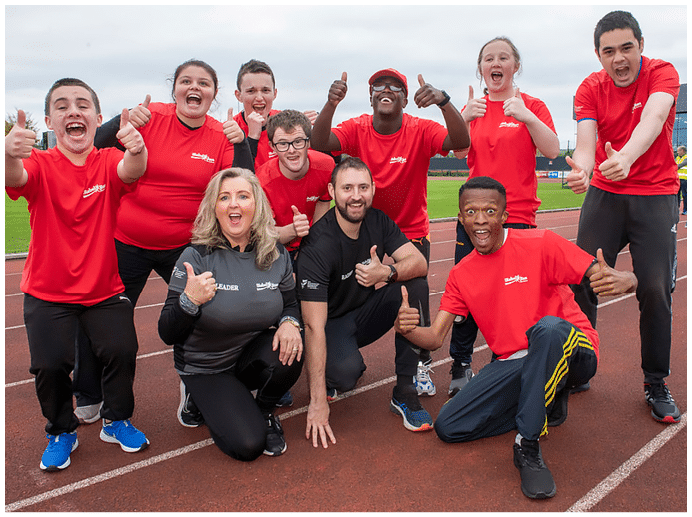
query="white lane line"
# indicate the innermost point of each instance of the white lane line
(605, 487)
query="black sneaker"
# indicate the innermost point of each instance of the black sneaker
(558, 413)
(663, 407)
(276, 444)
(461, 375)
(188, 414)
(578, 389)
(536, 480)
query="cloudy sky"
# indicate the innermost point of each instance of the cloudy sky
(129, 51)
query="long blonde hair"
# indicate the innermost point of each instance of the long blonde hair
(263, 235)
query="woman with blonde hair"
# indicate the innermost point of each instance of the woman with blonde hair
(232, 317)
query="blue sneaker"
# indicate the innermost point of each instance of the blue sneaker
(57, 454)
(124, 433)
(416, 418)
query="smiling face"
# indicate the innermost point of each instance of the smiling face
(257, 93)
(482, 213)
(352, 194)
(73, 118)
(194, 91)
(620, 55)
(388, 102)
(498, 66)
(235, 210)
(293, 163)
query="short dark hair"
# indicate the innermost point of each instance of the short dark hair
(616, 20)
(483, 183)
(70, 81)
(349, 163)
(287, 120)
(201, 64)
(254, 67)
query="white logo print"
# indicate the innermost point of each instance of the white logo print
(674, 229)
(509, 124)
(200, 156)
(344, 277)
(266, 285)
(516, 279)
(309, 285)
(312, 199)
(636, 105)
(93, 190)
(397, 159)
(227, 287)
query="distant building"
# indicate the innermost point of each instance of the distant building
(680, 127)
(48, 141)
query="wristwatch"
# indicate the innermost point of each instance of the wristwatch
(445, 100)
(393, 274)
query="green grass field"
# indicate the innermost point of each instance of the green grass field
(442, 202)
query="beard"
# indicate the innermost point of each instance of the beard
(343, 210)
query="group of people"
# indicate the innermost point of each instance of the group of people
(264, 277)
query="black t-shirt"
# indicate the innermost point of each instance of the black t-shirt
(327, 260)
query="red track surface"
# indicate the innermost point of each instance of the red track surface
(609, 455)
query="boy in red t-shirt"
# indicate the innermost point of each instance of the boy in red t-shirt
(625, 115)
(516, 285)
(397, 149)
(70, 278)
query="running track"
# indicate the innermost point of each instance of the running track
(609, 455)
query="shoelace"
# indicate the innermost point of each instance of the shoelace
(531, 456)
(660, 392)
(424, 371)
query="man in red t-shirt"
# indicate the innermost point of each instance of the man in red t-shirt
(515, 283)
(296, 180)
(625, 116)
(397, 148)
(257, 92)
(70, 278)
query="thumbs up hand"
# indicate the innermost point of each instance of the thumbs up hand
(301, 225)
(427, 94)
(130, 138)
(606, 281)
(578, 179)
(201, 288)
(515, 107)
(337, 91)
(372, 271)
(232, 130)
(475, 108)
(617, 165)
(140, 115)
(19, 141)
(408, 318)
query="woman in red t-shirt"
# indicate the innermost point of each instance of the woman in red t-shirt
(506, 128)
(186, 148)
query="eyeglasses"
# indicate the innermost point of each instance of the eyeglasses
(298, 144)
(392, 87)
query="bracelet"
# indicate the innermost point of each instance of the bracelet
(446, 99)
(188, 306)
(291, 320)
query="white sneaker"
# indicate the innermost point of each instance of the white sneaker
(88, 414)
(422, 380)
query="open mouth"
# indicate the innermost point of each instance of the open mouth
(75, 129)
(194, 99)
(496, 76)
(482, 238)
(259, 108)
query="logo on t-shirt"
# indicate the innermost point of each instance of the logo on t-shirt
(397, 159)
(509, 124)
(306, 284)
(263, 286)
(637, 105)
(517, 279)
(347, 275)
(93, 190)
(227, 287)
(312, 199)
(200, 156)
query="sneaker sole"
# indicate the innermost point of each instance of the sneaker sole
(56, 468)
(112, 439)
(397, 410)
(668, 419)
(269, 453)
(428, 393)
(180, 408)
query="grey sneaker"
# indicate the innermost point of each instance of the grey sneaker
(88, 414)
(461, 375)
(422, 380)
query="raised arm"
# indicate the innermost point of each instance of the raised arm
(545, 138)
(18, 144)
(430, 338)
(134, 163)
(584, 157)
(408, 261)
(322, 138)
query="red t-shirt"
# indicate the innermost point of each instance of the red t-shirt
(159, 214)
(399, 164)
(303, 193)
(617, 112)
(502, 148)
(72, 212)
(264, 150)
(510, 290)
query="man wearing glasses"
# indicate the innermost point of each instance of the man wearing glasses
(397, 148)
(295, 181)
